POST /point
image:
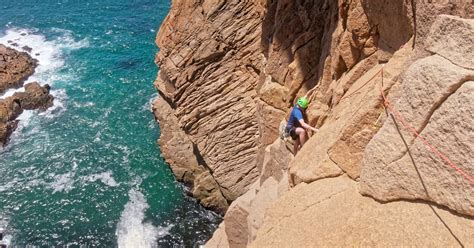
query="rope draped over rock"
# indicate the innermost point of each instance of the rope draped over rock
(397, 115)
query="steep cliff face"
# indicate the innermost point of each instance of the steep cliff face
(345, 56)
(209, 63)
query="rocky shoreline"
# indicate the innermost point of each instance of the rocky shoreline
(15, 68)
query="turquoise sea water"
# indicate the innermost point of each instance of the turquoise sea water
(88, 171)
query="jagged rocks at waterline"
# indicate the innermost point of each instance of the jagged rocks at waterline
(35, 96)
(15, 68)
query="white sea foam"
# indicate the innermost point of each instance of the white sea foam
(126, 153)
(24, 119)
(50, 55)
(132, 231)
(105, 177)
(149, 105)
(59, 104)
(64, 182)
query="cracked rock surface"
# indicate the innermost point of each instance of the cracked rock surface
(357, 221)
(437, 99)
(15, 68)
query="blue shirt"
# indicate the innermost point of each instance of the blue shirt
(295, 116)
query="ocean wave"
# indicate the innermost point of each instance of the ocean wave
(49, 53)
(147, 107)
(131, 230)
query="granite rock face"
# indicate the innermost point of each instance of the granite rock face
(337, 215)
(437, 99)
(183, 162)
(209, 60)
(231, 71)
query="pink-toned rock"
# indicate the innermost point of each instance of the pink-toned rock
(452, 38)
(180, 154)
(219, 238)
(276, 160)
(437, 99)
(266, 195)
(235, 220)
(331, 212)
(233, 69)
(209, 60)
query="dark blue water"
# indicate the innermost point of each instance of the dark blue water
(88, 171)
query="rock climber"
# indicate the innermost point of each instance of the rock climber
(297, 127)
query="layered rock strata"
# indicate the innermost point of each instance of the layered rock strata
(15, 68)
(209, 70)
(343, 55)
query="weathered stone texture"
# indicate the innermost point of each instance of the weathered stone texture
(231, 70)
(15, 68)
(330, 212)
(209, 62)
(246, 214)
(437, 100)
(179, 152)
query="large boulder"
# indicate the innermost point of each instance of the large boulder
(15, 68)
(35, 96)
(437, 99)
(452, 37)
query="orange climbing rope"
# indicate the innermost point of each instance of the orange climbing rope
(410, 128)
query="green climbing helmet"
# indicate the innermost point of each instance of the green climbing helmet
(303, 102)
